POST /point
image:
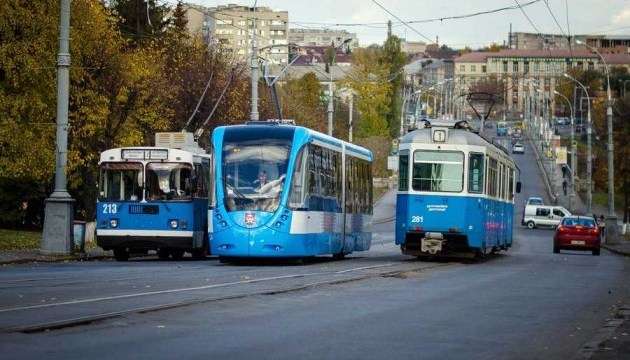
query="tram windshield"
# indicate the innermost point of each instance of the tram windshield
(169, 181)
(438, 171)
(120, 182)
(254, 168)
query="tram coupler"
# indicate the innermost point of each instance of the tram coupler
(432, 243)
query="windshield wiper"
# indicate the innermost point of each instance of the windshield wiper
(236, 192)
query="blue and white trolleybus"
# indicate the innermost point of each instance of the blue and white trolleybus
(154, 198)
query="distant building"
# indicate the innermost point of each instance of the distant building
(317, 55)
(322, 37)
(232, 27)
(517, 67)
(413, 47)
(534, 41)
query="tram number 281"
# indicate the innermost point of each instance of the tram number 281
(417, 219)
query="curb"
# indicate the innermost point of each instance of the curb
(53, 259)
(615, 251)
(605, 333)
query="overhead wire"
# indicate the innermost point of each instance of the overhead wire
(554, 17)
(402, 21)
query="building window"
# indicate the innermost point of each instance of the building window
(515, 66)
(580, 65)
(473, 68)
(505, 66)
(484, 69)
(526, 66)
(591, 66)
(536, 66)
(462, 68)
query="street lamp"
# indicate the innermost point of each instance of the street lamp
(589, 156)
(573, 150)
(59, 211)
(611, 155)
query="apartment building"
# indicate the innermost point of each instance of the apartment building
(322, 37)
(517, 67)
(232, 27)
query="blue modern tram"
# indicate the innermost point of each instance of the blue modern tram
(154, 198)
(285, 191)
(455, 193)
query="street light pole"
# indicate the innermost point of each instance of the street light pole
(611, 144)
(573, 151)
(59, 213)
(254, 73)
(589, 156)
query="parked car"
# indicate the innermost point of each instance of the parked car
(518, 148)
(577, 233)
(543, 215)
(562, 121)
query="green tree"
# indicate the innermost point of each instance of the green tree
(394, 59)
(373, 92)
(302, 101)
(141, 20)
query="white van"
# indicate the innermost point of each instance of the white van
(544, 215)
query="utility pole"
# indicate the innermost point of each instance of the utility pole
(254, 73)
(59, 213)
(350, 107)
(330, 103)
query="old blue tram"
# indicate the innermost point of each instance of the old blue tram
(286, 191)
(154, 198)
(455, 193)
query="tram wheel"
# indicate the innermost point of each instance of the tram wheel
(163, 254)
(177, 254)
(121, 254)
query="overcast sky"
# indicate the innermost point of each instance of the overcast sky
(610, 17)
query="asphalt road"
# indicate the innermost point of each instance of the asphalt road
(524, 304)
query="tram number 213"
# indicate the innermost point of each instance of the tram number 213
(417, 219)
(110, 208)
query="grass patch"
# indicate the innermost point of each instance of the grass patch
(19, 240)
(601, 199)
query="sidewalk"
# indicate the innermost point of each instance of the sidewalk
(623, 248)
(615, 342)
(29, 256)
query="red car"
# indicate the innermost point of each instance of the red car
(577, 233)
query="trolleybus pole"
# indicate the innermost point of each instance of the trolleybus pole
(59, 213)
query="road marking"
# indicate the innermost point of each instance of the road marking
(205, 287)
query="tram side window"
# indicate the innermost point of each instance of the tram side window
(370, 189)
(475, 173)
(403, 171)
(349, 187)
(169, 181)
(301, 174)
(492, 177)
(501, 177)
(511, 185)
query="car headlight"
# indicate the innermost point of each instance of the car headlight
(113, 223)
(173, 224)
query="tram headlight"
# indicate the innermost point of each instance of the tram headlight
(173, 223)
(113, 223)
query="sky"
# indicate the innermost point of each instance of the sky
(610, 17)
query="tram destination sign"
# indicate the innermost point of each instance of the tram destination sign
(144, 154)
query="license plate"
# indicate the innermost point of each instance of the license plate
(578, 242)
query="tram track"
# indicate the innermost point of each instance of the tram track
(72, 321)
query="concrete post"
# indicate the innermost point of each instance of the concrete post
(59, 212)
(330, 106)
(254, 74)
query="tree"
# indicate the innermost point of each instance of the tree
(302, 101)
(394, 59)
(179, 20)
(368, 79)
(141, 20)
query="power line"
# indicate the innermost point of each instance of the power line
(528, 19)
(422, 21)
(554, 17)
(399, 19)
